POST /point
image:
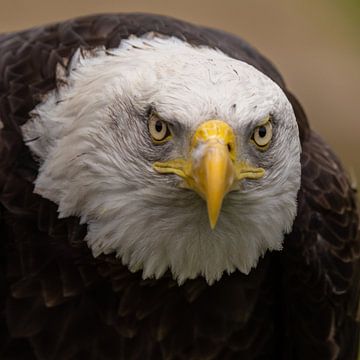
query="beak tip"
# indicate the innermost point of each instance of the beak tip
(213, 219)
(212, 226)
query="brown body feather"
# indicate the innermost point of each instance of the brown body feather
(58, 302)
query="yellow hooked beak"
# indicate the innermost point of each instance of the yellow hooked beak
(212, 168)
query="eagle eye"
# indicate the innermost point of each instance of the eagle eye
(262, 135)
(159, 129)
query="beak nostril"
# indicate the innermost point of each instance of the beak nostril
(229, 147)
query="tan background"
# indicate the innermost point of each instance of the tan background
(315, 44)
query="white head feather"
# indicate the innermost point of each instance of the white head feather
(96, 157)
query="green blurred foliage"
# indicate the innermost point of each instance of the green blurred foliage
(352, 9)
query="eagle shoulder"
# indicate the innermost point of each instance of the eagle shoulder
(321, 268)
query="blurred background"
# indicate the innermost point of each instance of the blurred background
(314, 44)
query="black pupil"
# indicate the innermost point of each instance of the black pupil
(158, 126)
(262, 131)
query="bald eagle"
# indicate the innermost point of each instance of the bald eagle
(162, 196)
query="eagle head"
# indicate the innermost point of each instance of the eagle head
(176, 157)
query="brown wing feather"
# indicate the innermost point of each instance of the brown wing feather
(321, 261)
